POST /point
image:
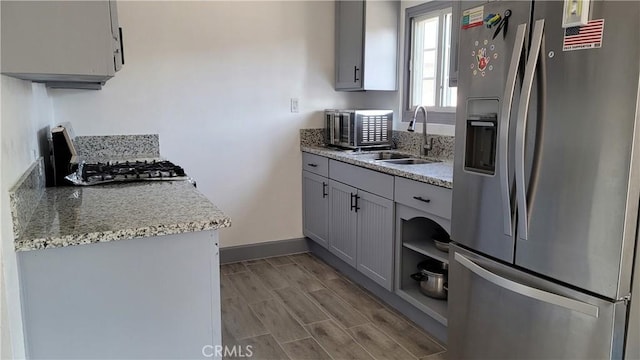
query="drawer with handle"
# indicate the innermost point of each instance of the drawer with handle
(428, 198)
(315, 163)
(368, 180)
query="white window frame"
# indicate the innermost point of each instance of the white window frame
(437, 114)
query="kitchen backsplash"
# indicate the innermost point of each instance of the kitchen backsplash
(312, 137)
(118, 146)
(412, 142)
(25, 194)
(404, 141)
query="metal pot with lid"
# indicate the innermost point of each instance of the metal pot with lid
(432, 277)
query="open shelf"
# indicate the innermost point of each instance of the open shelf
(414, 233)
(409, 289)
(435, 308)
(427, 248)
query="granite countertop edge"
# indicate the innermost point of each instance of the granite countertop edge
(63, 203)
(431, 179)
(122, 234)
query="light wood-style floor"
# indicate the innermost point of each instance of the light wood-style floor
(298, 307)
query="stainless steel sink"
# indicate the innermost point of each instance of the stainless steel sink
(408, 161)
(381, 155)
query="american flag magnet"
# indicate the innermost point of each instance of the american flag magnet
(584, 37)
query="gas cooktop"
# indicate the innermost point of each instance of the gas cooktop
(121, 171)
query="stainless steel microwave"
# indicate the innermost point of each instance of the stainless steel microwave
(355, 129)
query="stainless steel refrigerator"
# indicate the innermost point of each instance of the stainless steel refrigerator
(546, 181)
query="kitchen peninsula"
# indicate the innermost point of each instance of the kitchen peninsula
(127, 270)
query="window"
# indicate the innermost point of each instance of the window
(427, 48)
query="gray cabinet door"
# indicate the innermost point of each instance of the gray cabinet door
(315, 207)
(349, 44)
(118, 49)
(64, 41)
(342, 221)
(375, 238)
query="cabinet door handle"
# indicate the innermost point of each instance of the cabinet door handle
(355, 74)
(121, 45)
(354, 204)
(420, 198)
(324, 190)
(356, 207)
(312, 165)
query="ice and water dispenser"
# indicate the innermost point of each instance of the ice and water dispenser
(482, 136)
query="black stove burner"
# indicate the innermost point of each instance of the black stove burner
(132, 171)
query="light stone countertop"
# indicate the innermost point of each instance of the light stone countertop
(439, 173)
(67, 216)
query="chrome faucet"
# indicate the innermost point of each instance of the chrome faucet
(426, 145)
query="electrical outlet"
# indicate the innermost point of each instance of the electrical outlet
(294, 105)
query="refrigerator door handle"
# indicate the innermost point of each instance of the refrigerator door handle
(527, 291)
(521, 128)
(505, 115)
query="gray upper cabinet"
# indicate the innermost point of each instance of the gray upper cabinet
(367, 45)
(315, 207)
(349, 44)
(68, 44)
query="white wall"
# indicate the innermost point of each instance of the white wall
(26, 113)
(215, 79)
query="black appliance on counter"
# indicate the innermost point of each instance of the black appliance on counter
(62, 151)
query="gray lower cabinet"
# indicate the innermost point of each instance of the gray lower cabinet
(350, 211)
(422, 211)
(375, 238)
(315, 207)
(343, 221)
(380, 224)
(361, 231)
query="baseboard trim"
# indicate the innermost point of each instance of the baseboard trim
(423, 320)
(232, 254)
